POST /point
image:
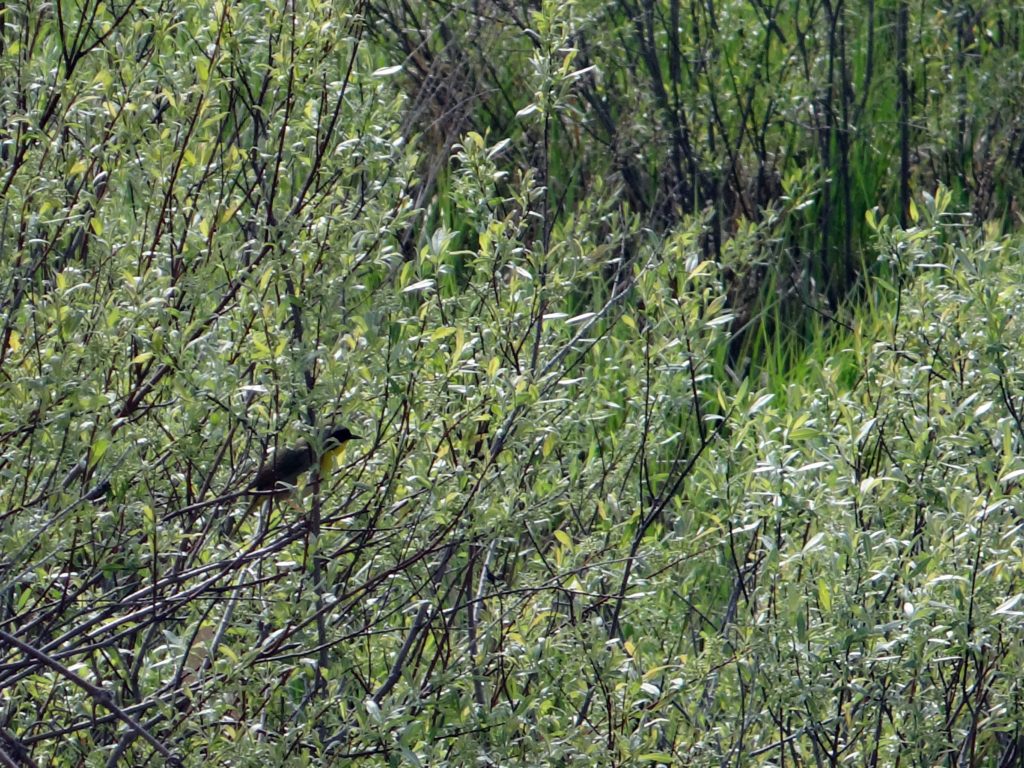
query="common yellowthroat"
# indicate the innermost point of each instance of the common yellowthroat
(283, 467)
(277, 476)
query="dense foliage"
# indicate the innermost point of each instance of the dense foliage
(686, 367)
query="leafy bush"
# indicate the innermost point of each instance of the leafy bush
(573, 532)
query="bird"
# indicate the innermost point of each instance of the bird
(278, 474)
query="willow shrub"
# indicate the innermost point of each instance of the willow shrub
(568, 536)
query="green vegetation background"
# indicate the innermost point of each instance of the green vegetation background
(685, 341)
